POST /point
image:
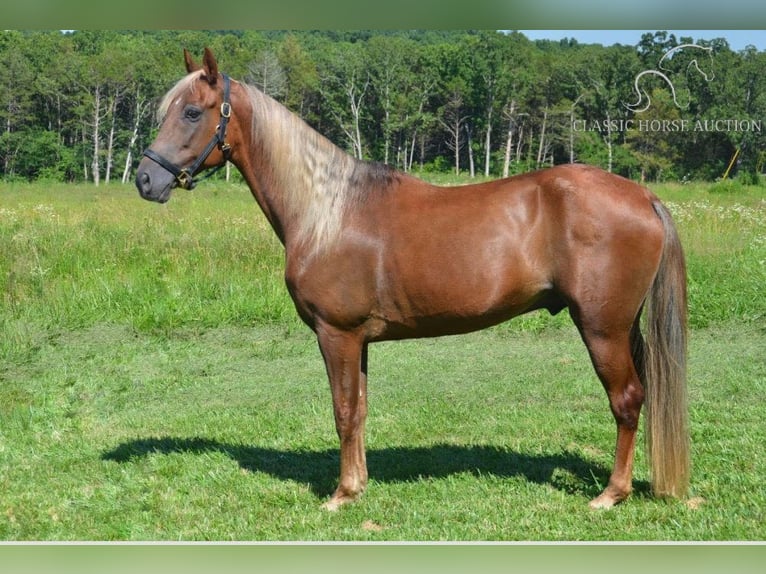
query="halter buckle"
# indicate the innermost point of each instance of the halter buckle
(226, 110)
(185, 180)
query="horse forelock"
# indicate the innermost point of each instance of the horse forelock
(318, 183)
(185, 84)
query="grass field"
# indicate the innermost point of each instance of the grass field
(155, 384)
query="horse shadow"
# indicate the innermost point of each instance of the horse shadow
(318, 469)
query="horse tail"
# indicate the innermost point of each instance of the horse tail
(661, 362)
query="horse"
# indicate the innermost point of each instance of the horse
(642, 93)
(374, 254)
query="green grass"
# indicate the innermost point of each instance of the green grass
(78, 256)
(226, 434)
(155, 384)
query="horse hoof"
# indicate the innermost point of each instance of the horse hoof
(608, 499)
(602, 502)
(339, 499)
(332, 505)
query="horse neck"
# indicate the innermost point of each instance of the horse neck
(299, 178)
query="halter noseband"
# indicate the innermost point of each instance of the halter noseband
(185, 176)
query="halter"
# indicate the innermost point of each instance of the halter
(185, 176)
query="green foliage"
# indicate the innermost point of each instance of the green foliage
(387, 96)
(727, 186)
(742, 183)
(39, 155)
(749, 177)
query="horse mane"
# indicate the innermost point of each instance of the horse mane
(317, 182)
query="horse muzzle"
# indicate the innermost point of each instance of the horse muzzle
(153, 182)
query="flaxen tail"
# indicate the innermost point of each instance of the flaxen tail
(661, 360)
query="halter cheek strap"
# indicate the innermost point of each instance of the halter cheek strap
(185, 176)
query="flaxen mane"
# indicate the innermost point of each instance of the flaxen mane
(319, 182)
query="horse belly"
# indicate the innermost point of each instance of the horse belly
(461, 287)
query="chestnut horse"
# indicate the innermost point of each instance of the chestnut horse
(372, 254)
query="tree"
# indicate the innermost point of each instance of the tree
(416, 117)
(96, 81)
(495, 73)
(301, 77)
(392, 79)
(655, 146)
(606, 78)
(345, 79)
(266, 73)
(453, 119)
(15, 98)
(514, 89)
(738, 92)
(455, 94)
(143, 79)
(442, 99)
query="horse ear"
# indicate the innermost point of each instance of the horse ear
(210, 66)
(191, 65)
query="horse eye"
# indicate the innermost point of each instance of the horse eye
(192, 114)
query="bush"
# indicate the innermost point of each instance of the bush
(38, 154)
(749, 177)
(726, 186)
(438, 165)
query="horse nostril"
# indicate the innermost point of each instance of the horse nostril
(143, 182)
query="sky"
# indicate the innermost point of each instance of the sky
(738, 39)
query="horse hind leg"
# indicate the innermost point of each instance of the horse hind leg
(612, 355)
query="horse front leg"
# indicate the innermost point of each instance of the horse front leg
(345, 357)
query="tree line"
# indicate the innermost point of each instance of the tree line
(81, 105)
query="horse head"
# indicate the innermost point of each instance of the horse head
(193, 135)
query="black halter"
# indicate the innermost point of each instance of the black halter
(185, 176)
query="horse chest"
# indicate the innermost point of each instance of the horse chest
(337, 288)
